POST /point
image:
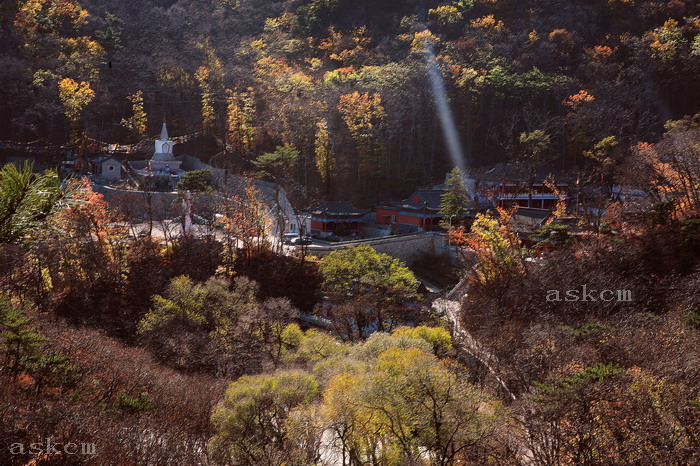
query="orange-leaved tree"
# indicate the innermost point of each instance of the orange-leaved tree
(671, 167)
(92, 242)
(497, 247)
(246, 224)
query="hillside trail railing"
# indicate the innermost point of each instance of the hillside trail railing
(450, 307)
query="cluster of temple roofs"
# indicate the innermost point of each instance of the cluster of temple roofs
(502, 186)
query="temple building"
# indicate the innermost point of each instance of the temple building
(509, 185)
(106, 168)
(336, 219)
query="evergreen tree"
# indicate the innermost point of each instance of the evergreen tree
(278, 166)
(196, 181)
(111, 35)
(26, 199)
(455, 200)
(52, 369)
(22, 341)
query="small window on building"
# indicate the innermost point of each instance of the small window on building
(393, 219)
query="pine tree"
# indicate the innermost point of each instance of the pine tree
(22, 341)
(455, 199)
(52, 369)
(278, 166)
(26, 199)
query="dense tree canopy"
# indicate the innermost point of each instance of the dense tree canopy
(537, 81)
(387, 400)
(370, 287)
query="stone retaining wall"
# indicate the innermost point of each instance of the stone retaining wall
(407, 248)
(163, 205)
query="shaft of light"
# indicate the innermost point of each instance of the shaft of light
(449, 129)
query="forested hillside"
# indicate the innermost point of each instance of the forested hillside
(271, 302)
(347, 82)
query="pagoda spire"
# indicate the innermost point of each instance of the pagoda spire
(164, 131)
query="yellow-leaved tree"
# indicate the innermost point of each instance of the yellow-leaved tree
(74, 97)
(325, 157)
(208, 115)
(241, 132)
(364, 116)
(138, 121)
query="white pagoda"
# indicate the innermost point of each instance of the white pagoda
(163, 161)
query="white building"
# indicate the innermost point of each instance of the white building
(163, 161)
(107, 168)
